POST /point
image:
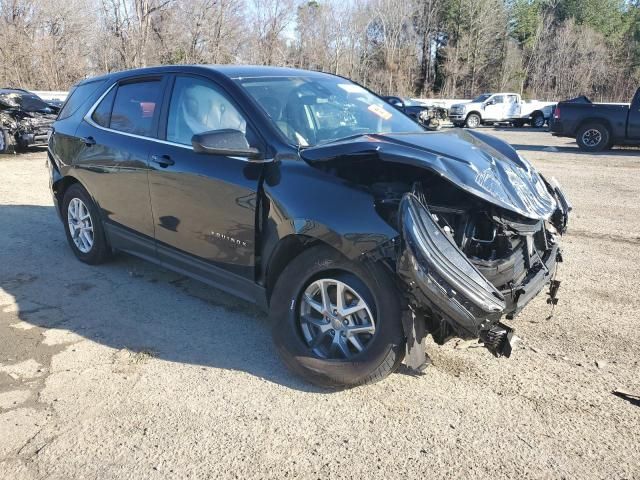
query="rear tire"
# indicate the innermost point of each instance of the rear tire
(473, 120)
(83, 226)
(593, 137)
(312, 357)
(537, 121)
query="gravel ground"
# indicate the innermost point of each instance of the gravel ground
(129, 371)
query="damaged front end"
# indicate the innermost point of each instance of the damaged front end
(465, 292)
(479, 229)
(25, 120)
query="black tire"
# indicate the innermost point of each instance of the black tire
(518, 123)
(593, 137)
(537, 120)
(100, 250)
(473, 120)
(385, 350)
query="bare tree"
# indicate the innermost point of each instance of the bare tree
(411, 47)
(270, 21)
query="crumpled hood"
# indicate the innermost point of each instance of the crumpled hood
(483, 165)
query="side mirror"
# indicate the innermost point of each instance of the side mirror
(228, 142)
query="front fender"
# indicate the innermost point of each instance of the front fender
(302, 200)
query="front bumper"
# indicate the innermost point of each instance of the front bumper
(459, 299)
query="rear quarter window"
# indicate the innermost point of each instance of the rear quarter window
(77, 96)
(102, 113)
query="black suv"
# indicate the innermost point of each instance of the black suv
(311, 196)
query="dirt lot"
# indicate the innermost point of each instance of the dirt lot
(129, 371)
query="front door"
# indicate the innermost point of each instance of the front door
(204, 205)
(494, 108)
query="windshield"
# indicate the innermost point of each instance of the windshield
(25, 101)
(314, 110)
(480, 98)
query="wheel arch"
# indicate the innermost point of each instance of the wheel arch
(284, 252)
(61, 185)
(599, 120)
(473, 112)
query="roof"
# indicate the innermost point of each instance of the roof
(14, 90)
(230, 71)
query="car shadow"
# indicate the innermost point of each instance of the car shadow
(619, 151)
(130, 304)
(506, 128)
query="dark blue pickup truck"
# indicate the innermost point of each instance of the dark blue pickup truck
(598, 126)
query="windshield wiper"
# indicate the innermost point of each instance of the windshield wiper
(334, 140)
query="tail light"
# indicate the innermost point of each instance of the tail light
(556, 113)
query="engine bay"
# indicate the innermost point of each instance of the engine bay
(504, 246)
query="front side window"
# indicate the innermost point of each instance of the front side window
(135, 107)
(320, 109)
(198, 106)
(498, 99)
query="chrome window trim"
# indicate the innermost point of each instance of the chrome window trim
(87, 118)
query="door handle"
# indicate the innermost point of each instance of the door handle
(163, 160)
(88, 141)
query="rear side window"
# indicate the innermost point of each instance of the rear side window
(135, 107)
(77, 97)
(102, 113)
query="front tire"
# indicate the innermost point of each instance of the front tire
(83, 226)
(337, 323)
(593, 137)
(473, 120)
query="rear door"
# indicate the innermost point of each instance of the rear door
(512, 107)
(633, 122)
(116, 137)
(204, 205)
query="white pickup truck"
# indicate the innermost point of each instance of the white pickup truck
(499, 108)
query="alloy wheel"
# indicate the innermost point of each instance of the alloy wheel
(80, 225)
(473, 121)
(592, 137)
(335, 321)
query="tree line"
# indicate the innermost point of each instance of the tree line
(551, 49)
